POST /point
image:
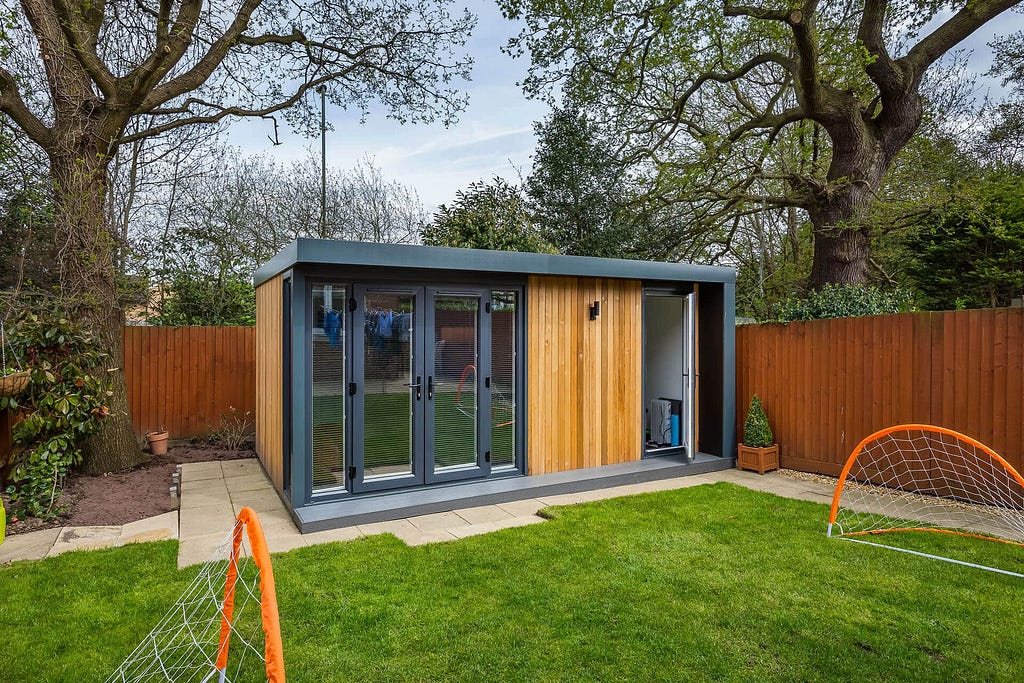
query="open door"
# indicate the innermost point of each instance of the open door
(669, 373)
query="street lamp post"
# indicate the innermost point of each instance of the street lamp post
(323, 159)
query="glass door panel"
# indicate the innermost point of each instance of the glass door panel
(328, 400)
(391, 388)
(453, 383)
(504, 312)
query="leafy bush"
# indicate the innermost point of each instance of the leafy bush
(844, 301)
(61, 407)
(197, 298)
(757, 433)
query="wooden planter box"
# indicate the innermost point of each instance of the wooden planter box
(760, 460)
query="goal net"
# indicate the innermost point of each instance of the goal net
(224, 627)
(922, 478)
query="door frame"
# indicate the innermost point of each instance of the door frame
(482, 467)
(357, 469)
(688, 380)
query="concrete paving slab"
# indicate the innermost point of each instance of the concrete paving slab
(347, 533)
(423, 536)
(281, 541)
(192, 471)
(519, 508)
(274, 517)
(31, 546)
(198, 549)
(438, 521)
(84, 538)
(204, 498)
(248, 482)
(238, 468)
(158, 528)
(569, 499)
(212, 486)
(526, 520)
(474, 529)
(392, 527)
(484, 513)
(208, 519)
(260, 501)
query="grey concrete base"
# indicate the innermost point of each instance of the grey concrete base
(366, 509)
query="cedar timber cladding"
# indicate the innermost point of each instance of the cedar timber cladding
(583, 377)
(269, 379)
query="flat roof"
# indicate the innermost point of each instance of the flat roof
(412, 256)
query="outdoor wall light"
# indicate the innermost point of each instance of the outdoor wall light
(595, 310)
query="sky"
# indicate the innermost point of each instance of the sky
(494, 135)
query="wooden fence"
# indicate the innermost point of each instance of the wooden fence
(183, 379)
(827, 384)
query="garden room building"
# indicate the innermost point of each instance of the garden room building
(398, 379)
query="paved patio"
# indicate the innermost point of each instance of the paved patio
(212, 493)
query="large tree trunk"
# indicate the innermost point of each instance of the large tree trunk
(89, 287)
(842, 247)
(839, 211)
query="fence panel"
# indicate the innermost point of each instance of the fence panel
(826, 384)
(183, 379)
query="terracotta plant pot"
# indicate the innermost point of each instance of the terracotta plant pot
(157, 442)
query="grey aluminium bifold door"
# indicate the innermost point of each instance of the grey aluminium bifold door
(387, 389)
(457, 408)
(421, 386)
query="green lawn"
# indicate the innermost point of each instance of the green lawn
(713, 582)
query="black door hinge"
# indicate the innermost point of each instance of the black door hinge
(487, 456)
(352, 473)
(487, 382)
(351, 388)
(352, 304)
(487, 307)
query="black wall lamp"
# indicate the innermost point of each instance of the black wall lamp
(595, 310)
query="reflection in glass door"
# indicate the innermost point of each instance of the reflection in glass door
(434, 384)
(391, 385)
(454, 382)
(328, 386)
(504, 336)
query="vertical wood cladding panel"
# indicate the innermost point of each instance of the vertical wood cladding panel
(584, 376)
(269, 379)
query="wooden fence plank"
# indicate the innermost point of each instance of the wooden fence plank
(829, 383)
(183, 379)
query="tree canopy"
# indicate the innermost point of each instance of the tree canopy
(487, 215)
(970, 253)
(746, 109)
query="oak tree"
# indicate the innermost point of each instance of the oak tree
(707, 94)
(81, 77)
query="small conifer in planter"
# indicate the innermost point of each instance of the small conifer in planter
(758, 451)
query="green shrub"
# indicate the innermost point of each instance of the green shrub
(844, 301)
(61, 407)
(757, 433)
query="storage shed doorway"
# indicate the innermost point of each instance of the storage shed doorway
(431, 389)
(669, 367)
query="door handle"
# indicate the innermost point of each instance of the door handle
(416, 386)
(430, 387)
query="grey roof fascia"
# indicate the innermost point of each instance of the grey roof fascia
(331, 252)
(278, 263)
